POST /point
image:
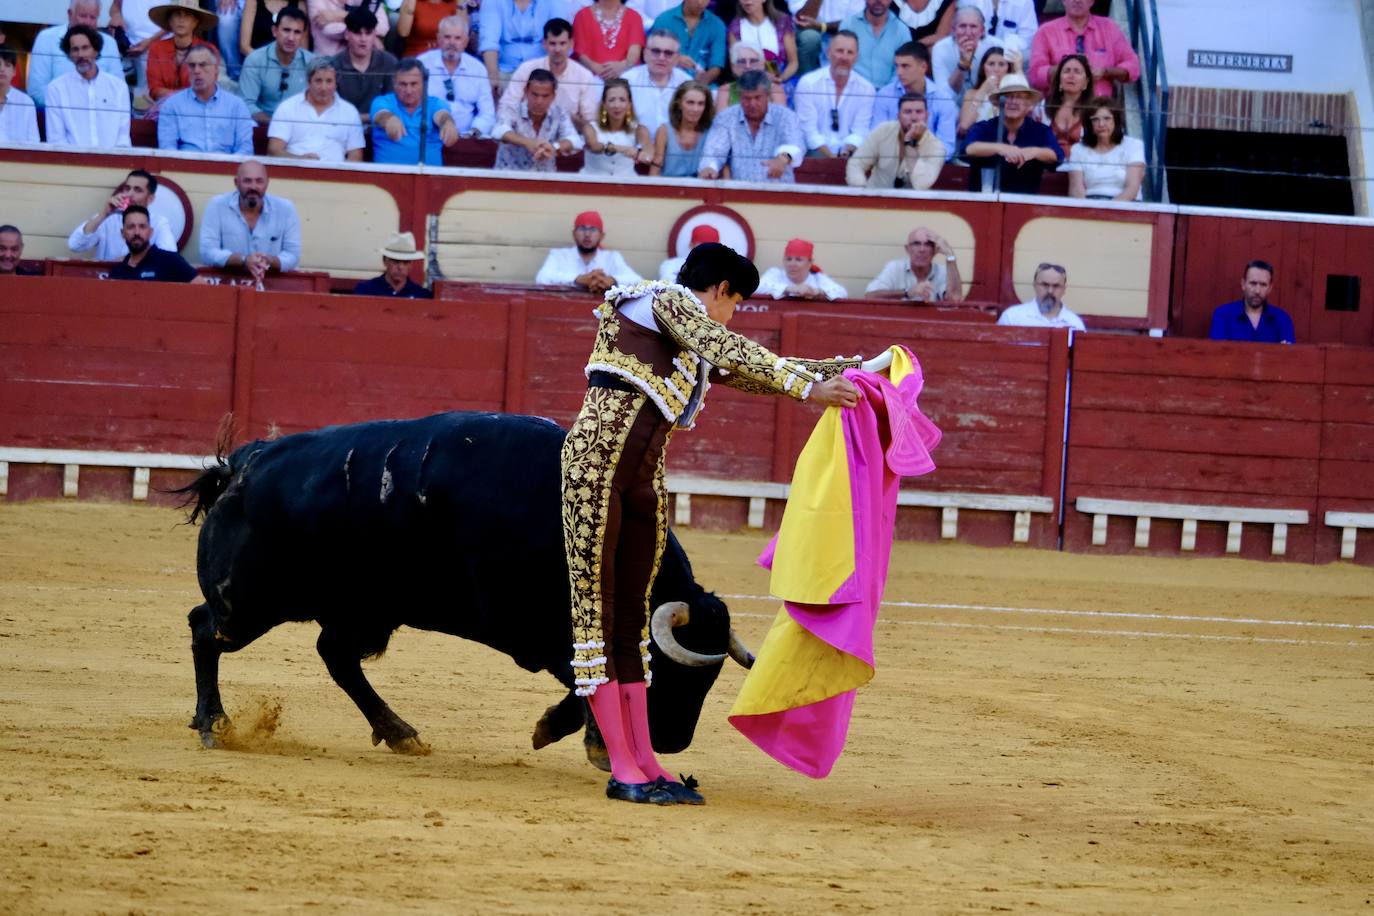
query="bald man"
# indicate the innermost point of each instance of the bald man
(250, 230)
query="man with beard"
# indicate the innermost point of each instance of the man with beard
(586, 265)
(146, 261)
(46, 61)
(12, 253)
(102, 233)
(250, 230)
(87, 107)
(1253, 317)
(1047, 309)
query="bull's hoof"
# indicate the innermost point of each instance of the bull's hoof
(543, 734)
(597, 756)
(411, 745)
(212, 735)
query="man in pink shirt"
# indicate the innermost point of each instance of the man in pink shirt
(1080, 32)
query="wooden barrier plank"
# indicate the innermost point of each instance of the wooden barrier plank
(1348, 403)
(177, 434)
(1350, 366)
(1193, 396)
(205, 338)
(99, 298)
(1348, 442)
(1198, 359)
(111, 400)
(133, 368)
(410, 347)
(1202, 435)
(1168, 471)
(1348, 480)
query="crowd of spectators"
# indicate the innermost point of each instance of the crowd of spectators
(745, 91)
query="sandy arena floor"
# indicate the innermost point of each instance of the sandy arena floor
(1047, 733)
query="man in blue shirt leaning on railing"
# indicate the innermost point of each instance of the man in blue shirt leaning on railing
(1253, 318)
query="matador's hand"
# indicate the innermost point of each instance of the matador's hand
(837, 391)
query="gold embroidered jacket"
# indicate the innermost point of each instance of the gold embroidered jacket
(671, 366)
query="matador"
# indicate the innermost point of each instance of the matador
(658, 348)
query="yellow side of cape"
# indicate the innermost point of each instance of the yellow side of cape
(814, 554)
(796, 669)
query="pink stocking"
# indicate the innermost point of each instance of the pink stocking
(606, 708)
(634, 703)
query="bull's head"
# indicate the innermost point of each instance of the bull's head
(690, 639)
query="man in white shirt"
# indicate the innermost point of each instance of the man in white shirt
(317, 124)
(1047, 309)
(87, 107)
(460, 79)
(46, 60)
(834, 103)
(928, 273)
(652, 84)
(579, 89)
(955, 58)
(799, 277)
(586, 265)
(103, 232)
(1008, 18)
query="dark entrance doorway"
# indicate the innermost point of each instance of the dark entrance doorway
(1222, 168)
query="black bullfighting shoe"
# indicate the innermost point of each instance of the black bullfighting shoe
(644, 793)
(683, 793)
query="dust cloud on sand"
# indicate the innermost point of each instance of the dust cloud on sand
(1046, 733)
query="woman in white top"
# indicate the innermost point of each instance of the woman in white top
(617, 141)
(1106, 164)
(758, 22)
(18, 116)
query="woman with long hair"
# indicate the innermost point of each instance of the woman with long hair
(759, 22)
(608, 38)
(678, 144)
(418, 24)
(1070, 86)
(978, 100)
(1106, 164)
(744, 57)
(617, 141)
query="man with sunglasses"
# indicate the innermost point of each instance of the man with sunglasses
(459, 79)
(278, 69)
(652, 84)
(928, 273)
(1047, 309)
(834, 103)
(103, 231)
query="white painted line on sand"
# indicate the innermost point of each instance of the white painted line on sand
(1064, 612)
(1078, 631)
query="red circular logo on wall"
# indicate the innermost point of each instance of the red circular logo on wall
(733, 229)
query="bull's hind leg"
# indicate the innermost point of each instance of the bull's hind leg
(209, 719)
(343, 657)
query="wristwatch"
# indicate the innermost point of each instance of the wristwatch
(950, 259)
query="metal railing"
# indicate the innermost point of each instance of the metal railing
(1152, 91)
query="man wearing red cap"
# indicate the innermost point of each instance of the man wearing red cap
(799, 277)
(586, 264)
(668, 270)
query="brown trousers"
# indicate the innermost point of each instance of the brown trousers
(614, 527)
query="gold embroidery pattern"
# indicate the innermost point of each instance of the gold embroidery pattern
(589, 456)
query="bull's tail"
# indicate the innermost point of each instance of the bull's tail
(200, 494)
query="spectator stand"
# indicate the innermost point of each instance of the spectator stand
(300, 281)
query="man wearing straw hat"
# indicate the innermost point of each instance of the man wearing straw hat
(395, 283)
(1013, 149)
(167, 70)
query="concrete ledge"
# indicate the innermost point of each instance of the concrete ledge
(683, 487)
(1235, 517)
(72, 460)
(1349, 523)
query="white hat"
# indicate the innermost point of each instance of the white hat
(401, 247)
(1015, 82)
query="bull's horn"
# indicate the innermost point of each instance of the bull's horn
(739, 651)
(675, 614)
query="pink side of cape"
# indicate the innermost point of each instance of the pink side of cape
(886, 438)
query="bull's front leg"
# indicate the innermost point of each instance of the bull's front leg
(209, 719)
(559, 721)
(344, 661)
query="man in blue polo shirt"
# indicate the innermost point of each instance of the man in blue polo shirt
(401, 116)
(1253, 318)
(397, 255)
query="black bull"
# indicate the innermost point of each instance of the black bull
(449, 523)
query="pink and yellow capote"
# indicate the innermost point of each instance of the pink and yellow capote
(829, 565)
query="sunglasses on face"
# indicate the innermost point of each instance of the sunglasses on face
(448, 89)
(662, 52)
